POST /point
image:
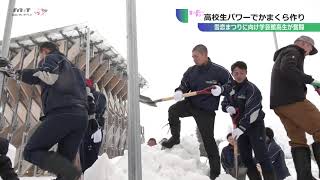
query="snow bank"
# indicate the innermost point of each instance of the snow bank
(182, 161)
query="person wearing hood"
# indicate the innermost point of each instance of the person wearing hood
(204, 74)
(92, 140)
(288, 100)
(243, 103)
(64, 104)
(276, 155)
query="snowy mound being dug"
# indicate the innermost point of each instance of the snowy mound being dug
(182, 161)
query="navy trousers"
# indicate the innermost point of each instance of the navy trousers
(254, 139)
(65, 127)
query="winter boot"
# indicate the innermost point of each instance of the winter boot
(59, 165)
(268, 171)
(269, 175)
(302, 162)
(253, 174)
(175, 138)
(316, 153)
(213, 176)
(214, 168)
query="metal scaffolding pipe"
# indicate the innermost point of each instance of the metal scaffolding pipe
(275, 40)
(6, 40)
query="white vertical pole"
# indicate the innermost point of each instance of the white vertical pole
(134, 130)
(88, 54)
(275, 40)
(6, 40)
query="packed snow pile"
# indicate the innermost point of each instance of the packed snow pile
(182, 161)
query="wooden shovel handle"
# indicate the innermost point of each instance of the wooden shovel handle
(189, 94)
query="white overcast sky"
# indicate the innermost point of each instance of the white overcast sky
(165, 44)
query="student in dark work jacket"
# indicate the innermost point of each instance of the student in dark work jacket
(276, 155)
(228, 163)
(288, 100)
(202, 107)
(243, 103)
(91, 142)
(64, 104)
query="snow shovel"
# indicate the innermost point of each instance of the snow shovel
(189, 94)
(235, 147)
(146, 100)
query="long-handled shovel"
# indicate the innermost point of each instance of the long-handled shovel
(148, 101)
(235, 147)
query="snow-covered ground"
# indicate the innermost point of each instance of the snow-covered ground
(182, 161)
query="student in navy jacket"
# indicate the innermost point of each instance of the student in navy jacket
(64, 104)
(276, 155)
(202, 75)
(243, 103)
(227, 160)
(91, 142)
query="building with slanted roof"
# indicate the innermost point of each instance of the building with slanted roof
(20, 107)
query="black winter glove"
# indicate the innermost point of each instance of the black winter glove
(4, 145)
(4, 62)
